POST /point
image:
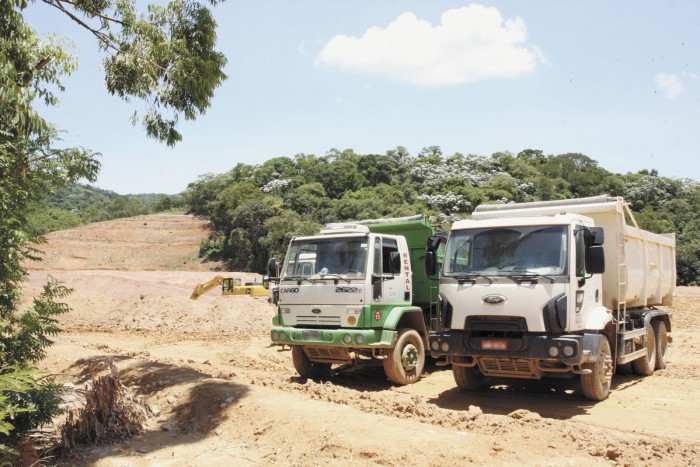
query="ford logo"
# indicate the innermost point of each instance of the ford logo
(316, 311)
(494, 299)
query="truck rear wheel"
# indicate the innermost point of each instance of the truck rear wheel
(469, 378)
(405, 362)
(645, 365)
(596, 384)
(305, 367)
(661, 344)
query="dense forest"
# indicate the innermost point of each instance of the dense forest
(256, 209)
(76, 205)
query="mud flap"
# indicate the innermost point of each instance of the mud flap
(591, 345)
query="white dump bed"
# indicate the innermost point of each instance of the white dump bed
(640, 266)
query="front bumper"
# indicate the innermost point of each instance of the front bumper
(348, 338)
(569, 349)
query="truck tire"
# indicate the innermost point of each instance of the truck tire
(645, 365)
(661, 344)
(468, 378)
(305, 367)
(596, 384)
(405, 362)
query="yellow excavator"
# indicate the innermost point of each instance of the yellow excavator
(231, 286)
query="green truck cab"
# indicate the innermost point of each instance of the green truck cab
(356, 293)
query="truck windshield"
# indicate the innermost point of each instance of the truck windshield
(507, 250)
(321, 257)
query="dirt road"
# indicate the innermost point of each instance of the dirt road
(221, 394)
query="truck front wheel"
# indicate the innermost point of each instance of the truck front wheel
(596, 384)
(305, 367)
(645, 365)
(469, 378)
(405, 362)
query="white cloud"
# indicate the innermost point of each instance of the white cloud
(669, 84)
(470, 44)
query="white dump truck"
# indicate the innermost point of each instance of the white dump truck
(568, 287)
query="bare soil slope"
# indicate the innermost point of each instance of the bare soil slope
(220, 394)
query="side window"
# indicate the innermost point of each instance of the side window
(377, 256)
(580, 252)
(388, 246)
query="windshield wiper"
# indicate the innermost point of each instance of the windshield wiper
(472, 277)
(527, 276)
(335, 277)
(300, 279)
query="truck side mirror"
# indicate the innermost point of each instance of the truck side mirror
(395, 259)
(434, 242)
(272, 267)
(595, 260)
(594, 236)
(430, 263)
(266, 281)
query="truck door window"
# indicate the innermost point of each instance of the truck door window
(377, 270)
(388, 246)
(580, 252)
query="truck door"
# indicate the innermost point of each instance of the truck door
(387, 286)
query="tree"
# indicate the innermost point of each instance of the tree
(167, 61)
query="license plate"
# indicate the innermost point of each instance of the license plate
(312, 335)
(494, 344)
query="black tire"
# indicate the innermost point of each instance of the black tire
(645, 365)
(596, 384)
(468, 378)
(405, 362)
(661, 336)
(306, 368)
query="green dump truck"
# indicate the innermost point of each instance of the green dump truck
(356, 293)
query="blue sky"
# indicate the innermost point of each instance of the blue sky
(617, 81)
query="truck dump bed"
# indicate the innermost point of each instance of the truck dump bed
(640, 266)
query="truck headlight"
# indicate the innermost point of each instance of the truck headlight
(359, 339)
(553, 351)
(347, 339)
(568, 350)
(434, 345)
(275, 336)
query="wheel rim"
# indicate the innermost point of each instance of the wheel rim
(409, 357)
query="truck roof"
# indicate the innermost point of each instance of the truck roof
(558, 219)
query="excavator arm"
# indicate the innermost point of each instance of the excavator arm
(201, 289)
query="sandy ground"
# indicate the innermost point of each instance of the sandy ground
(220, 394)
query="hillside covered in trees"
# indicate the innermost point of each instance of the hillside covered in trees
(256, 209)
(76, 205)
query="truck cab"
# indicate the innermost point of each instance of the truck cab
(351, 294)
(554, 288)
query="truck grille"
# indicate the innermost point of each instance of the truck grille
(319, 320)
(328, 354)
(517, 367)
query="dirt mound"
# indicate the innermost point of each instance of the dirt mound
(227, 314)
